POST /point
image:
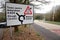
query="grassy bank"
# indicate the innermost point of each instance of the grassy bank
(24, 33)
(53, 22)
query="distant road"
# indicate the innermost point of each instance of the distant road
(46, 31)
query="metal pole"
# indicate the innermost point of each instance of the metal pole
(54, 12)
(53, 15)
(11, 32)
(44, 18)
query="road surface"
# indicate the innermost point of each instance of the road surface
(46, 31)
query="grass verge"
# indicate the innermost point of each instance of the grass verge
(24, 33)
(52, 22)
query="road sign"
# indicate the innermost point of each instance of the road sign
(17, 14)
(28, 11)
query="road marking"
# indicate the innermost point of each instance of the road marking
(57, 31)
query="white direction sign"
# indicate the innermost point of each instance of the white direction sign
(17, 14)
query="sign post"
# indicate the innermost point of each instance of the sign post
(11, 32)
(18, 14)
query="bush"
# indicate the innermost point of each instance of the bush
(38, 17)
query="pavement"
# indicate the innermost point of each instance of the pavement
(48, 31)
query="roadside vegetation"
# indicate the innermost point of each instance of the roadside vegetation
(38, 16)
(2, 17)
(52, 22)
(22, 34)
(53, 15)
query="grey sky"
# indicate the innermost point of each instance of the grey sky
(2, 2)
(43, 8)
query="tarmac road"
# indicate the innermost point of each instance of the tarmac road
(47, 34)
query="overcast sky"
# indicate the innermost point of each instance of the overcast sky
(3, 2)
(43, 9)
(46, 8)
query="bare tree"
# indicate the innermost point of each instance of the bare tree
(42, 3)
